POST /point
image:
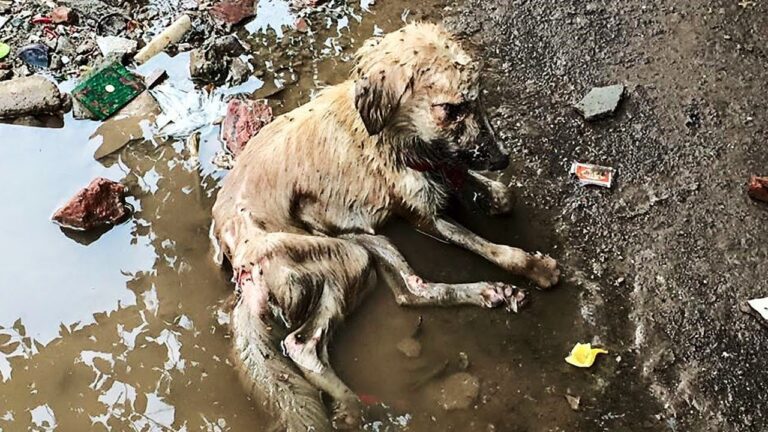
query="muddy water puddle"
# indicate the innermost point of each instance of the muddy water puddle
(125, 331)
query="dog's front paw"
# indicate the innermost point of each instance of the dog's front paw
(347, 414)
(543, 271)
(502, 200)
(512, 297)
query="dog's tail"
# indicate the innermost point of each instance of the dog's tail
(272, 379)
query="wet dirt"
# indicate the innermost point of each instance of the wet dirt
(125, 331)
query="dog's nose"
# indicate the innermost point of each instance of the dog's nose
(499, 163)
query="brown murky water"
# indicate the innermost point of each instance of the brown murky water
(125, 332)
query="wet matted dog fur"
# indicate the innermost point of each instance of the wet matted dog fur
(298, 215)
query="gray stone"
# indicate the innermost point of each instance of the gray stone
(410, 347)
(114, 44)
(600, 102)
(30, 96)
(238, 71)
(458, 391)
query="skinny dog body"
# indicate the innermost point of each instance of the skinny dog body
(297, 217)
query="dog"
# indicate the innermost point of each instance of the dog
(298, 215)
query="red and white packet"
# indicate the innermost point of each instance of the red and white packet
(593, 174)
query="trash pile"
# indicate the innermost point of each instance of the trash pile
(98, 49)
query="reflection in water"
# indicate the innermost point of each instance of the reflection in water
(127, 333)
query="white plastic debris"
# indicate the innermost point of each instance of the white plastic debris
(760, 306)
(186, 111)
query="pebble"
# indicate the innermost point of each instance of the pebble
(600, 102)
(410, 347)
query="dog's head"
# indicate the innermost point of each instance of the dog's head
(421, 86)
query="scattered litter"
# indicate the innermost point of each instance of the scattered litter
(233, 11)
(600, 102)
(760, 306)
(243, 121)
(31, 96)
(171, 35)
(368, 399)
(115, 44)
(107, 89)
(4, 50)
(193, 144)
(185, 112)
(593, 174)
(100, 204)
(583, 355)
(573, 401)
(35, 55)
(155, 77)
(223, 160)
(410, 347)
(757, 188)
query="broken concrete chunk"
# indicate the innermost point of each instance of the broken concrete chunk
(600, 102)
(459, 391)
(114, 44)
(100, 204)
(410, 347)
(243, 121)
(757, 188)
(32, 95)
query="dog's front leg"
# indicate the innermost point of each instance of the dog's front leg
(541, 269)
(500, 198)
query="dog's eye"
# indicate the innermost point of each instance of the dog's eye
(453, 112)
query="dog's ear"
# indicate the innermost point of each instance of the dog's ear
(379, 95)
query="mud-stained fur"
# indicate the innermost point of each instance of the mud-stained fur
(297, 216)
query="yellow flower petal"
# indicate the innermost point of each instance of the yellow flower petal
(583, 355)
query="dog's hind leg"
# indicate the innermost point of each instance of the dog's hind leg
(321, 280)
(411, 290)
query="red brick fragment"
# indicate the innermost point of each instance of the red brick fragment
(244, 119)
(63, 15)
(757, 188)
(100, 204)
(233, 11)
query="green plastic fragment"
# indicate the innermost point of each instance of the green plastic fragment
(4, 50)
(107, 89)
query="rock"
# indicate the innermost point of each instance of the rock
(410, 347)
(573, 401)
(233, 11)
(458, 391)
(85, 47)
(244, 120)
(115, 44)
(228, 45)
(64, 46)
(100, 204)
(600, 102)
(208, 70)
(63, 15)
(301, 25)
(56, 63)
(757, 188)
(238, 71)
(30, 96)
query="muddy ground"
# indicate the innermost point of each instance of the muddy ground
(125, 331)
(664, 259)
